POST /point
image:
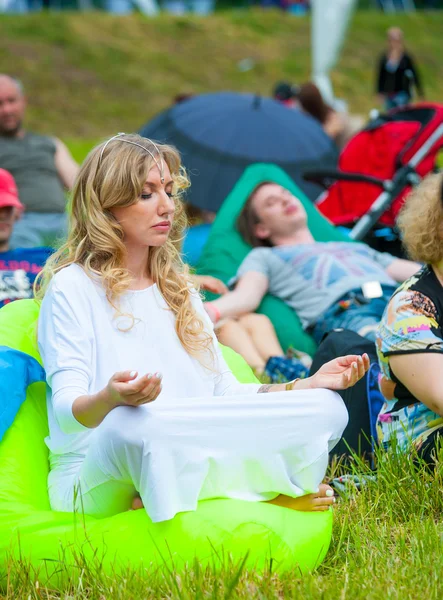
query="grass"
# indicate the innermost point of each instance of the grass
(387, 543)
(92, 74)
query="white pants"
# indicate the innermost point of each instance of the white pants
(174, 453)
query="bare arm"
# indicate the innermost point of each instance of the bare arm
(334, 125)
(401, 269)
(417, 78)
(381, 75)
(66, 166)
(91, 410)
(246, 297)
(122, 390)
(422, 375)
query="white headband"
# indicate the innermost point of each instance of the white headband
(161, 166)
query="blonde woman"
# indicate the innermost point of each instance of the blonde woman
(410, 337)
(142, 408)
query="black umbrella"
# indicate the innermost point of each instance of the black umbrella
(219, 135)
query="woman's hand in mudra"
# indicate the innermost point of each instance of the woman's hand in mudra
(124, 389)
(341, 373)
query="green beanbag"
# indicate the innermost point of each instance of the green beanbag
(48, 541)
(225, 248)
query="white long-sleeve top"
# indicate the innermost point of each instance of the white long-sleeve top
(83, 343)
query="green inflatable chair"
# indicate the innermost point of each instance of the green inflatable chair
(51, 543)
(225, 249)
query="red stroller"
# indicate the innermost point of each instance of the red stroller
(376, 171)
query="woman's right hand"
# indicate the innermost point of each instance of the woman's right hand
(124, 390)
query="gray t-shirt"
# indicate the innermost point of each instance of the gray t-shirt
(311, 277)
(31, 161)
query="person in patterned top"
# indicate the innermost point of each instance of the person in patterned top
(410, 336)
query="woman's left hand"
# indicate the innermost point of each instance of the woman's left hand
(341, 373)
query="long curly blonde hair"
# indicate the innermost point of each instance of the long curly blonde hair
(421, 221)
(112, 175)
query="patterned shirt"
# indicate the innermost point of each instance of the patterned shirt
(18, 270)
(412, 324)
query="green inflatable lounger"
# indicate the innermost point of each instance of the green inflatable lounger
(225, 248)
(219, 530)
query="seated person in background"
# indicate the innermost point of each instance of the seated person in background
(339, 126)
(311, 101)
(18, 268)
(329, 285)
(198, 216)
(179, 98)
(42, 168)
(253, 337)
(410, 337)
(286, 93)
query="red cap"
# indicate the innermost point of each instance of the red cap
(8, 191)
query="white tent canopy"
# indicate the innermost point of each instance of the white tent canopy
(330, 19)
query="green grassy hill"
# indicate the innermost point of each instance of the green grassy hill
(91, 74)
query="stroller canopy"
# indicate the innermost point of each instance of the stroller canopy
(380, 150)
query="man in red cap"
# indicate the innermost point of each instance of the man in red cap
(19, 267)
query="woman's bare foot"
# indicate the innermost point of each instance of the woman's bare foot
(137, 503)
(318, 502)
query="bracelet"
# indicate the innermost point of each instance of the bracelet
(289, 387)
(215, 311)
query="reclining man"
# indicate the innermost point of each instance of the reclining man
(18, 268)
(329, 285)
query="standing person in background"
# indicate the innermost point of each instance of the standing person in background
(42, 167)
(397, 73)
